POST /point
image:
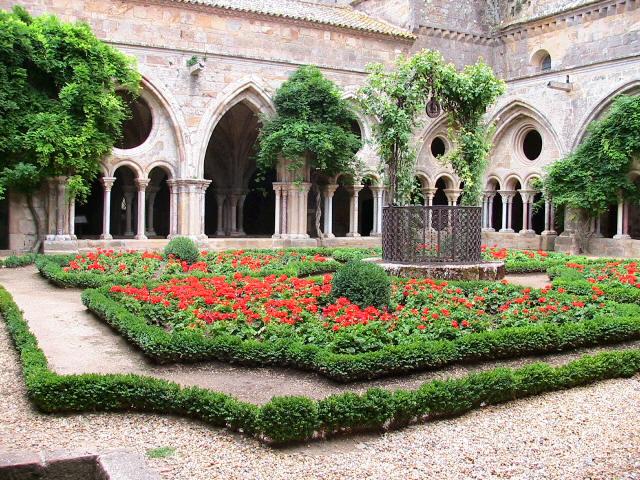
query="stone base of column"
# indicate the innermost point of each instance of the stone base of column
(106, 236)
(375, 234)
(353, 234)
(506, 230)
(548, 233)
(236, 234)
(141, 237)
(488, 229)
(329, 235)
(527, 233)
(623, 236)
(151, 233)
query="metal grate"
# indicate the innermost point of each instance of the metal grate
(437, 234)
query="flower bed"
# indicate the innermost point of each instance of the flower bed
(294, 322)
(296, 419)
(619, 280)
(524, 261)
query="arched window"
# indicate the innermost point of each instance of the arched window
(545, 64)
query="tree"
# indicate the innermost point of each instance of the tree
(312, 124)
(59, 111)
(594, 176)
(398, 98)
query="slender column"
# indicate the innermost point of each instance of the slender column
(107, 184)
(303, 196)
(151, 198)
(285, 211)
(490, 214)
(241, 213)
(72, 218)
(428, 194)
(452, 195)
(233, 212)
(141, 183)
(378, 204)
(62, 211)
(220, 198)
(487, 213)
(327, 194)
(507, 197)
(128, 223)
(277, 187)
(173, 207)
(621, 230)
(597, 227)
(353, 211)
(548, 218)
(204, 184)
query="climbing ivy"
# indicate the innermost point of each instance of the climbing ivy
(592, 177)
(397, 98)
(59, 112)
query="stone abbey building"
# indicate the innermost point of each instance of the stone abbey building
(210, 69)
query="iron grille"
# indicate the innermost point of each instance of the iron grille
(436, 234)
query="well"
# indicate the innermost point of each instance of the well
(436, 242)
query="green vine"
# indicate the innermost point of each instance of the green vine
(398, 98)
(597, 172)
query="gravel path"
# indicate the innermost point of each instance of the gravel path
(75, 341)
(584, 433)
(534, 280)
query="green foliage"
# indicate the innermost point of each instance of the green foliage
(397, 99)
(15, 261)
(365, 284)
(183, 248)
(592, 177)
(59, 112)
(312, 122)
(185, 346)
(160, 452)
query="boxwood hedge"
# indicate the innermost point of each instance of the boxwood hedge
(294, 419)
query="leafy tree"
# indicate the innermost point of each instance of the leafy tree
(398, 98)
(59, 111)
(312, 124)
(592, 177)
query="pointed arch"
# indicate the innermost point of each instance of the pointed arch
(436, 128)
(135, 168)
(629, 88)
(252, 92)
(365, 122)
(425, 178)
(517, 109)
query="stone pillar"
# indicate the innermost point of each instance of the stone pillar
(452, 195)
(220, 199)
(107, 184)
(548, 219)
(527, 211)
(233, 211)
(277, 224)
(72, 218)
(303, 198)
(507, 198)
(241, 200)
(487, 207)
(173, 207)
(141, 184)
(128, 192)
(596, 227)
(152, 191)
(353, 211)
(621, 225)
(327, 194)
(378, 204)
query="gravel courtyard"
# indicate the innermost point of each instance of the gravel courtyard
(585, 433)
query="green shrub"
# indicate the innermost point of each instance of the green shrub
(14, 261)
(365, 284)
(183, 248)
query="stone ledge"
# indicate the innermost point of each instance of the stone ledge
(64, 465)
(445, 271)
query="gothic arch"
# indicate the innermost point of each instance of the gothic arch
(251, 92)
(629, 88)
(166, 166)
(127, 163)
(517, 109)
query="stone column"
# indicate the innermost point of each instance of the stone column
(233, 210)
(152, 191)
(128, 192)
(378, 204)
(107, 184)
(303, 197)
(72, 218)
(487, 211)
(596, 227)
(202, 192)
(141, 184)
(452, 195)
(220, 198)
(507, 198)
(277, 228)
(353, 211)
(527, 211)
(173, 207)
(548, 219)
(327, 194)
(241, 200)
(621, 225)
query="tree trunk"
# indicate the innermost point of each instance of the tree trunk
(316, 187)
(36, 222)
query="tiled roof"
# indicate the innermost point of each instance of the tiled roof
(339, 16)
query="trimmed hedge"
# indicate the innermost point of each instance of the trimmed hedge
(289, 419)
(365, 284)
(188, 345)
(15, 261)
